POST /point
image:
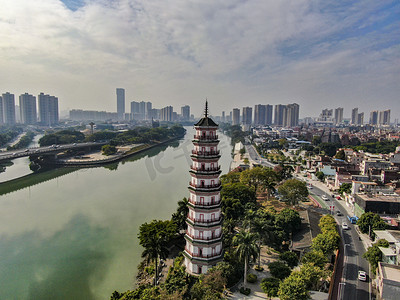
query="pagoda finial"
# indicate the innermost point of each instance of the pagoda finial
(206, 109)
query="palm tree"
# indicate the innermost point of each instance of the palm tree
(154, 237)
(246, 249)
(181, 214)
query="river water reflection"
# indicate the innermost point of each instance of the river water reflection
(75, 236)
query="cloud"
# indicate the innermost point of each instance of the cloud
(183, 51)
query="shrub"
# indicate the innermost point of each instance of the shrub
(251, 278)
(245, 291)
(259, 268)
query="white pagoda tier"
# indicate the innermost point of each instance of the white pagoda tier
(204, 233)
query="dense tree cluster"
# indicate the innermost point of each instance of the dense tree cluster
(147, 135)
(62, 137)
(7, 134)
(234, 132)
(23, 142)
(134, 136)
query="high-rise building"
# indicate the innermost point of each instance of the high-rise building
(279, 112)
(235, 116)
(223, 117)
(8, 108)
(360, 119)
(185, 112)
(384, 117)
(339, 115)
(268, 114)
(291, 115)
(27, 107)
(259, 114)
(167, 114)
(373, 117)
(149, 107)
(354, 116)
(48, 109)
(120, 103)
(204, 221)
(326, 113)
(247, 115)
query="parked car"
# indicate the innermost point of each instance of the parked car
(345, 226)
(338, 213)
(362, 275)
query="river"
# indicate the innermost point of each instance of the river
(72, 233)
(20, 166)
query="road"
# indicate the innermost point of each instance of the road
(354, 289)
(257, 158)
(44, 150)
(353, 251)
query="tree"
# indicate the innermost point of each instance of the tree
(369, 222)
(232, 208)
(340, 155)
(279, 269)
(290, 258)
(231, 177)
(283, 172)
(108, 149)
(210, 286)
(320, 175)
(293, 287)
(270, 286)
(227, 271)
(311, 274)
(179, 218)
(374, 254)
(326, 242)
(289, 220)
(345, 188)
(318, 258)
(252, 177)
(246, 249)
(239, 191)
(154, 237)
(327, 223)
(293, 191)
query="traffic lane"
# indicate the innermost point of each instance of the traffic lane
(355, 248)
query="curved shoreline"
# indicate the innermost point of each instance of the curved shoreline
(112, 159)
(31, 179)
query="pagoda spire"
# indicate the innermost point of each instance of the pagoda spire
(206, 110)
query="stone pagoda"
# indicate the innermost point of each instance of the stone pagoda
(204, 232)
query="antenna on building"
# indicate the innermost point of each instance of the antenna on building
(206, 109)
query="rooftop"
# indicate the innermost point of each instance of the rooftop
(387, 235)
(206, 121)
(379, 197)
(391, 272)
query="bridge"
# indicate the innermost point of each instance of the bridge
(48, 150)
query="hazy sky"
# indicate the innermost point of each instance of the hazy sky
(320, 53)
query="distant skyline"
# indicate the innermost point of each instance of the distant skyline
(319, 54)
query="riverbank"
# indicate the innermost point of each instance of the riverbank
(97, 158)
(32, 179)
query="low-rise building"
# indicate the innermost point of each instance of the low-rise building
(388, 281)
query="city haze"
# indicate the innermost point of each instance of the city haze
(319, 54)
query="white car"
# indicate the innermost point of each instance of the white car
(362, 275)
(325, 198)
(345, 226)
